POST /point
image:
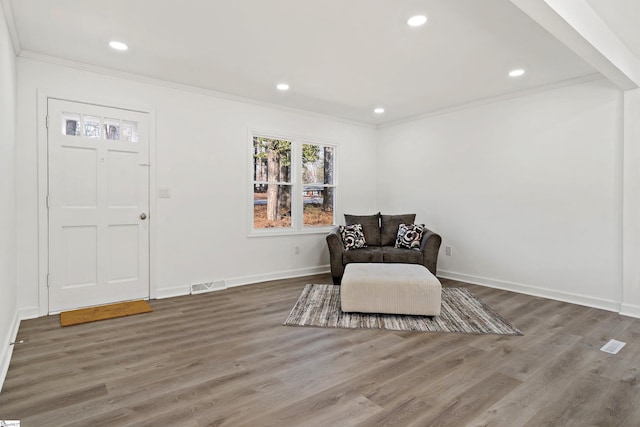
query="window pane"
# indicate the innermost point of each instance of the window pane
(130, 131)
(112, 129)
(71, 124)
(271, 206)
(271, 160)
(317, 164)
(92, 127)
(318, 205)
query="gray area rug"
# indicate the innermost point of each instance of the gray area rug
(319, 305)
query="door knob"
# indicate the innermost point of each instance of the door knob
(143, 216)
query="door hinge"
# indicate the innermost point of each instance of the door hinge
(47, 121)
(48, 280)
(47, 201)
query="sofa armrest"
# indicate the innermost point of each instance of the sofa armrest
(336, 249)
(430, 246)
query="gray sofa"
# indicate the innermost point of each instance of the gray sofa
(380, 233)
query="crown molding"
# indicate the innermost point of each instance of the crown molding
(500, 98)
(26, 54)
(11, 25)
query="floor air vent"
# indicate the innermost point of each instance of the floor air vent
(613, 346)
(200, 288)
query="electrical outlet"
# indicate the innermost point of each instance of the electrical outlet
(447, 250)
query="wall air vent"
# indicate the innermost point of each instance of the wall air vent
(201, 288)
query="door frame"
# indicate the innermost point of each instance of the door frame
(43, 185)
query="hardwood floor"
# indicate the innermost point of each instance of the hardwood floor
(224, 358)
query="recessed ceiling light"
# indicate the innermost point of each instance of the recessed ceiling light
(379, 110)
(417, 20)
(282, 86)
(118, 45)
(516, 73)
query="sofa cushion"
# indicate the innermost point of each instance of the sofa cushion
(352, 237)
(409, 236)
(389, 227)
(368, 254)
(403, 256)
(370, 226)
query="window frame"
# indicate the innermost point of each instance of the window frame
(297, 186)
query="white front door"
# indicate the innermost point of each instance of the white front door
(98, 205)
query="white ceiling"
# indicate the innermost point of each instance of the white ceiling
(341, 57)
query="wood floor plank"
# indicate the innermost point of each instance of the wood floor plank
(466, 406)
(539, 390)
(224, 358)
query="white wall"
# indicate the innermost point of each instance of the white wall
(631, 217)
(527, 191)
(8, 291)
(202, 156)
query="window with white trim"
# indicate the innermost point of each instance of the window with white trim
(294, 187)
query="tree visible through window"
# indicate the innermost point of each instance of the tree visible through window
(317, 177)
(271, 183)
(282, 202)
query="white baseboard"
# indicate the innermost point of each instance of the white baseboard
(569, 297)
(247, 280)
(630, 310)
(29, 313)
(278, 275)
(7, 350)
(173, 292)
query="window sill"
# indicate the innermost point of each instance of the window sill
(271, 232)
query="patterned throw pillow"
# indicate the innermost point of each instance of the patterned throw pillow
(409, 236)
(352, 236)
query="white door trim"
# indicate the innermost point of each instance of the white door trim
(43, 176)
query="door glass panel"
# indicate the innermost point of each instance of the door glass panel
(92, 127)
(130, 131)
(71, 124)
(112, 129)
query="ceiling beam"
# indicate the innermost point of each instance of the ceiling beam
(580, 28)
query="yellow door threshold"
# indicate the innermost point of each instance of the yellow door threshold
(103, 312)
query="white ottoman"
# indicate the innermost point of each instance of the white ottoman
(390, 288)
